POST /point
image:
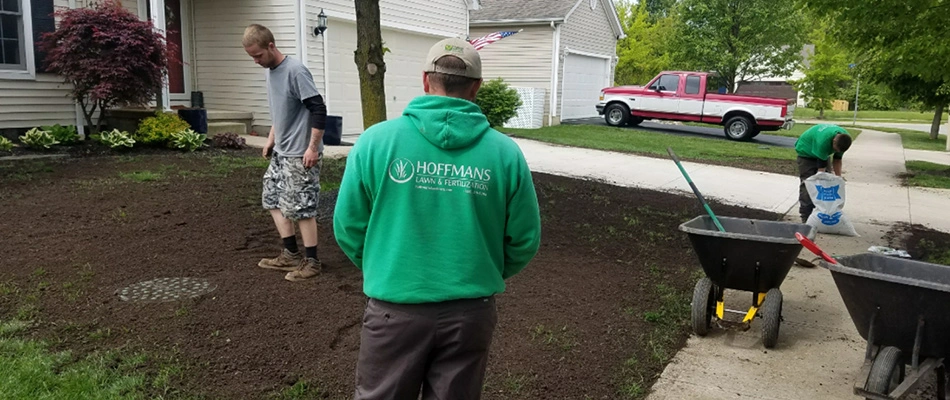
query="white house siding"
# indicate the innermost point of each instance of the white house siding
(315, 48)
(435, 17)
(588, 31)
(229, 78)
(522, 60)
(36, 102)
(404, 61)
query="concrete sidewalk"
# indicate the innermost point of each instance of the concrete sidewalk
(761, 190)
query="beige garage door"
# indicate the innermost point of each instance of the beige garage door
(403, 73)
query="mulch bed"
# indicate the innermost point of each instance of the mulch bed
(572, 325)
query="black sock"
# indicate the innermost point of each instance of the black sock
(290, 243)
(311, 252)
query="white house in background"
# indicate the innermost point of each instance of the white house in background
(779, 86)
(568, 48)
(215, 62)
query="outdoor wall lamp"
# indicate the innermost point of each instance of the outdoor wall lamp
(321, 24)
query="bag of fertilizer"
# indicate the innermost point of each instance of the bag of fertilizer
(828, 194)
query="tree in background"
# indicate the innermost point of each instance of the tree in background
(739, 39)
(644, 52)
(369, 62)
(108, 56)
(825, 71)
(906, 44)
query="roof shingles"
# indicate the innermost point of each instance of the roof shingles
(519, 10)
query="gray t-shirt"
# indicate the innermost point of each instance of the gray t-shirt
(287, 87)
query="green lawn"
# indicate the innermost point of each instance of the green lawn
(925, 174)
(879, 116)
(32, 371)
(915, 140)
(654, 144)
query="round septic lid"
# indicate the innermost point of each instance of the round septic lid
(166, 289)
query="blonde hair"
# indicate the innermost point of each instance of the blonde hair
(259, 35)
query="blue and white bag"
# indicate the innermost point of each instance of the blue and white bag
(827, 192)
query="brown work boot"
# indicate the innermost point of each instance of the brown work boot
(308, 268)
(286, 261)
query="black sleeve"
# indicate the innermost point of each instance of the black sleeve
(318, 111)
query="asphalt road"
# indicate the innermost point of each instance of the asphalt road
(686, 130)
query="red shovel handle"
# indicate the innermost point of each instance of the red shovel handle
(811, 246)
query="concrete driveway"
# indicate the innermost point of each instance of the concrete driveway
(687, 130)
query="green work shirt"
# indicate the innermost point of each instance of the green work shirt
(817, 141)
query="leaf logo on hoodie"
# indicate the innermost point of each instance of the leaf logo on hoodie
(401, 171)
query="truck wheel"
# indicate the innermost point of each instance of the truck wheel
(617, 114)
(739, 128)
(634, 121)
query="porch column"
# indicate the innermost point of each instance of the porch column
(157, 11)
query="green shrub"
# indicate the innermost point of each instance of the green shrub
(63, 134)
(498, 101)
(38, 139)
(160, 130)
(6, 144)
(188, 140)
(117, 139)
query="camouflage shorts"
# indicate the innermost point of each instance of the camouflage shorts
(291, 188)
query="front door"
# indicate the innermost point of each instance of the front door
(177, 33)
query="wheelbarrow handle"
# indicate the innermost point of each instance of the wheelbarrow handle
(811, 246)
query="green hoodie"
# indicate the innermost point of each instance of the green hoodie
(436, 205)
(816, 142)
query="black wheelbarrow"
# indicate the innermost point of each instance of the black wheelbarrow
(751, 255)
(902, 308)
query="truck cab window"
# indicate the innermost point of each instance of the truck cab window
(692, 84)
(666, 83)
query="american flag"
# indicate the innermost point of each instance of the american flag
(490, 38)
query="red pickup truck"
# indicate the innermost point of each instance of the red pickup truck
(694, 97)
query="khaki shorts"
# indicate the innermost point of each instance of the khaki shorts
(291, 188)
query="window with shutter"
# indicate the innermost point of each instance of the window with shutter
(43, 22)
(12, 40)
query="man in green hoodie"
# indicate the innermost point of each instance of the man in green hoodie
(819, 148)
(437, 209)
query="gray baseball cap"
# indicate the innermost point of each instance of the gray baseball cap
(458, 48)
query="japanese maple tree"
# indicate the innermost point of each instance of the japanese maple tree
(109, 56)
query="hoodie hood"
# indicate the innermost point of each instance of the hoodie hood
(447, 122)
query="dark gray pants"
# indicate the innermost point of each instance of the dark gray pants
(807, 167)
(440, 348)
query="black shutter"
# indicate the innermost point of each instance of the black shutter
(43, 22)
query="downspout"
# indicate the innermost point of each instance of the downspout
(80, 118)
(326, 72)
(555, 62)
(301, 22)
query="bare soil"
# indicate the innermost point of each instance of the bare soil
(597, 314)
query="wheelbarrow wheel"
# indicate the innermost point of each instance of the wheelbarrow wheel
(702, 306)
(887, 371)
(772, 315)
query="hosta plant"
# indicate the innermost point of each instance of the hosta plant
(38, 139)
(117, 139)
(6, 144)
(63, 134)
(188, 140)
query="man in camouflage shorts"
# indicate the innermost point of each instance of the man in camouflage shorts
(295, 144)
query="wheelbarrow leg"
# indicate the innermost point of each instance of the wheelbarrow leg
(942, 382)
(915, 358)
